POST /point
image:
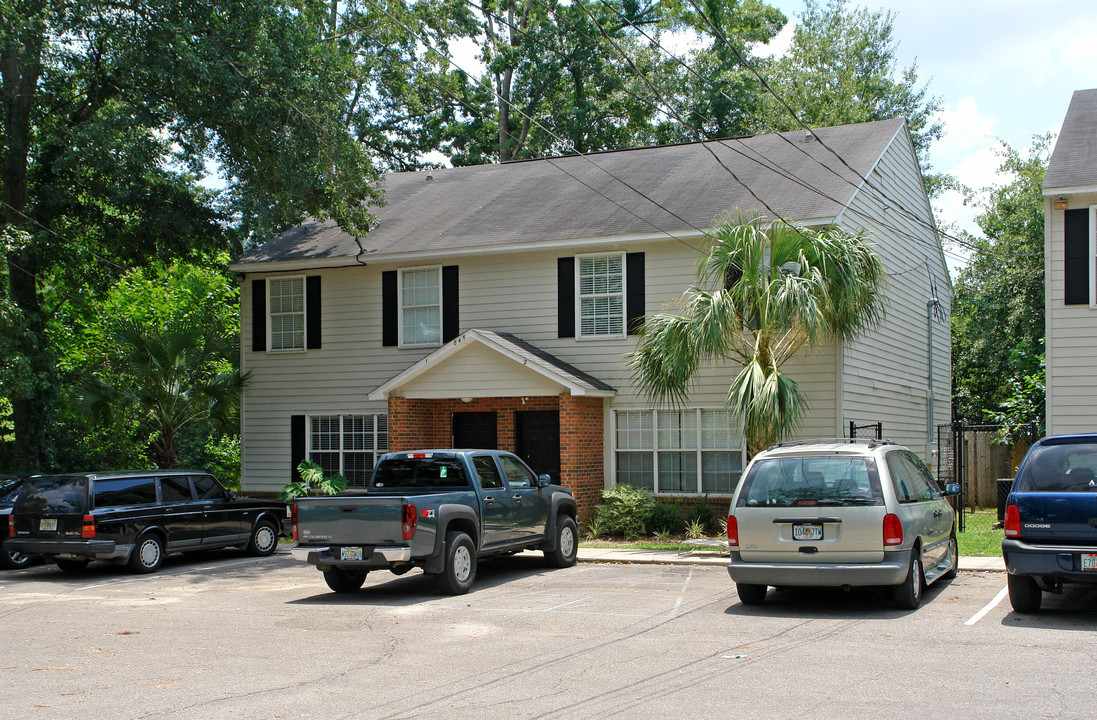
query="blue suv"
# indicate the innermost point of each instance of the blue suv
(1051, 520)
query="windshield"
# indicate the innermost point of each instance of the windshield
(1070, 467)
(436, 472)
(811, 480)
(53, 495)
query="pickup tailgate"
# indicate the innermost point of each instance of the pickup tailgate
(351, 520)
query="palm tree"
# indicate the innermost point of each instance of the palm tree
(778, 289)
(171, 377)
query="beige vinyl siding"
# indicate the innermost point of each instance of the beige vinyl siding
(1071, 337)
(885, 374)
(479, 371)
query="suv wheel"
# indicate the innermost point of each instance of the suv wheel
(70, 565)
(1024, 594)
(908, 594)
(264, 539)
(14, 560)
(147, 554)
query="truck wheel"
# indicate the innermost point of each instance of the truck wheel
(344, 581)
(264, 540)
(566, 543)
(460, 569)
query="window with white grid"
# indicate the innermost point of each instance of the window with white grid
(697, 450)
(601, 295)
(421, 306)
(287, 313)
(348, 445)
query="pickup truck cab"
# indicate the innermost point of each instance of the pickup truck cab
(440, 510)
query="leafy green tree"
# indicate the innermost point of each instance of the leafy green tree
(841, 69)
(765, 291)
(1024, 412)
(998, 300)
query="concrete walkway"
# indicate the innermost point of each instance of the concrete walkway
(691, 556)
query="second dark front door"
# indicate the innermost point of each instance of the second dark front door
(475, 431)
(537, 440)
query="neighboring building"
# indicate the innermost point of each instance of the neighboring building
(1070, 271)
(493, 306)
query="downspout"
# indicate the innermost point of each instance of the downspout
(930, 399)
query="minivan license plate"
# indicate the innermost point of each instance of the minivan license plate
(350, 553)
(807, 531)
(48, 524)
(1089, 563)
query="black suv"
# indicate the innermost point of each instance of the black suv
(137, 517)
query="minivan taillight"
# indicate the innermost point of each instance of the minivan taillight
(1012, 524)
(893, 530)
(87, 532)
(294, 521)
(733, 531)
(410, 520)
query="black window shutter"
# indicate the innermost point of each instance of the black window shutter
(259, 315)
(1076, 259)
(296, 445)
(451, 309)
(390, 334)
(312, 308)
(634, 293)
(565, 301)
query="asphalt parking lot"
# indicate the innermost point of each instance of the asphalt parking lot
(223, 635)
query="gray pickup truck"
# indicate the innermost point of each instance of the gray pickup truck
(441, 510)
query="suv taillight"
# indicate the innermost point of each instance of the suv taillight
(893, 530)
(733, 531)
(11, 525)
(294, 521)
(410, 520)
(87, 532)
(1012, 524)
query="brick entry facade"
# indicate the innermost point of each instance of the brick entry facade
(428, 423)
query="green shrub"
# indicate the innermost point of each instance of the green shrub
(666, 517)
(625, 510)
(312, 480)
(701, 514)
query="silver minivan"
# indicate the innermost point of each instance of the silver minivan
(843, 513)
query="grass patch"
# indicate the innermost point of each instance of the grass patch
(979, 539)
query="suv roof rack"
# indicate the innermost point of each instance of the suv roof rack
(871, 442)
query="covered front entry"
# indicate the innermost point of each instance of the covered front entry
(493, 390)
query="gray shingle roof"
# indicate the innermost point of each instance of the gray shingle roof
(1074, 160)
(642, 191)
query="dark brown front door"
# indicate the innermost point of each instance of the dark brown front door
(475, 431)
(537, 440)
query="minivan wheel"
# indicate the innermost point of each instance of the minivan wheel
(908, 594)
(147, 554)
(1024, 594)
(954, 553)
(751, 594)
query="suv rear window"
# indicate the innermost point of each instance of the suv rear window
(125, 491)
(1069, 467)
(808, 480)
(437, 472)
(53, 495)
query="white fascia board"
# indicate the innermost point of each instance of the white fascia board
(1075, 190)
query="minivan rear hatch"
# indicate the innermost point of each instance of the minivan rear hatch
(51, 506)
(1056, 493)
(816, 509)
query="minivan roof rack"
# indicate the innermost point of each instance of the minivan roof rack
(871, 442)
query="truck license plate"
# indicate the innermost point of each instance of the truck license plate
(350, 553)
(48, 524)
(807, 531)
(1089, 563)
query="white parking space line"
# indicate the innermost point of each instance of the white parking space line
(561, 605)
(990, 606)
(682, 594)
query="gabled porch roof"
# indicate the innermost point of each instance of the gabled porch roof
(483, 363)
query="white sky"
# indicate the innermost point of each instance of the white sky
(1004, 70)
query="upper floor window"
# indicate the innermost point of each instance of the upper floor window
(421, 306)
(348, 445)
(287, 313)
(601, 285)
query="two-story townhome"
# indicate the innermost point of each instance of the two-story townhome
(1070, 271)
(493, 306)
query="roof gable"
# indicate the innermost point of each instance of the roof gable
(639, 192)
(1073, 163)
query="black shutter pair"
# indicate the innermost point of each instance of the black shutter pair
(259, 314)
(1076, 257)
(390, 306)
(634, 294)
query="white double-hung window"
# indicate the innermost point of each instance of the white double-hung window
(287, 313)
(421, 306)
(601, 285)
(691, 451)
(348, 445)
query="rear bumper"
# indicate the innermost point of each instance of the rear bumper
(378, 557)
(95, 549)
(891, 571)
(1062, 562)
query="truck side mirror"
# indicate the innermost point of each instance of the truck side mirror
(543, 481)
